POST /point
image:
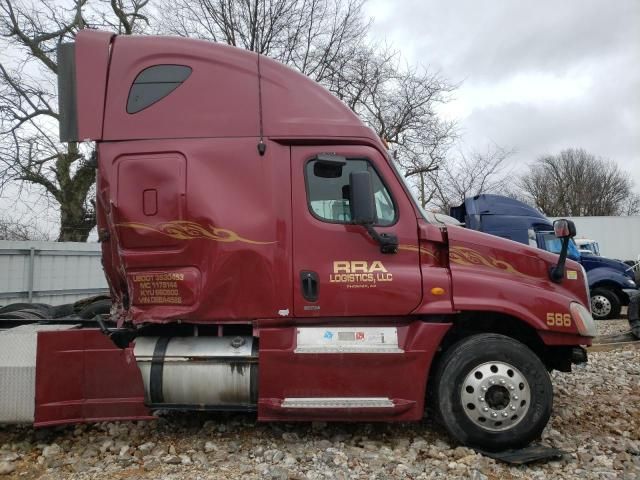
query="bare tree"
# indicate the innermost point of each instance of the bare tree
(631, 206)
(466, 175)
(577, 183)
(29, 148)
(399, 104)
(12, 229)
(313, 36)
(327, 40)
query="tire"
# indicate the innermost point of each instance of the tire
(24, 314)
(62, 311)
(99, 307)
(605, 304)
(13, 307)
(526, 397)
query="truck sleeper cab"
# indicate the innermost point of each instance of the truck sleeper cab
(263, 253)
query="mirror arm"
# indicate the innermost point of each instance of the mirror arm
(557, 271)
(388, 241)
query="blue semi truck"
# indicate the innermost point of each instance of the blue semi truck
(611, 282)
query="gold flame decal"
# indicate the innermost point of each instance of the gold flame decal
(186, 230)
(469, 256)
(418, 249)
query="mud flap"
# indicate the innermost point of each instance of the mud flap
(523, 456)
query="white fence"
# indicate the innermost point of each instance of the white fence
(49, 272)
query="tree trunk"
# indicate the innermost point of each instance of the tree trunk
(77, 215)
(75, 221)
(77, 212)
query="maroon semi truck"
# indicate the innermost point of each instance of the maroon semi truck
(264, 254)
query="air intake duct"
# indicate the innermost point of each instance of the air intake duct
(67, 92)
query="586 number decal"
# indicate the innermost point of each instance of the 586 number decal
(558, 319)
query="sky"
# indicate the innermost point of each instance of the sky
(535, 76)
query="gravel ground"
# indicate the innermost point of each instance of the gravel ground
(596, 421)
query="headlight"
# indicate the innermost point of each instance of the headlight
(631, 283)
(583, 319)
(586, 286)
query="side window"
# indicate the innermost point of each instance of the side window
(155, 83)
(328, 191)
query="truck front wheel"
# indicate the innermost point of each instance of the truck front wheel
(492, 393)
(605, 304)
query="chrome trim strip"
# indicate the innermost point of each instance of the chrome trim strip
(338, 402)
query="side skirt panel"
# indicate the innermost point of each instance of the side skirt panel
(82, 377)
(300, 383)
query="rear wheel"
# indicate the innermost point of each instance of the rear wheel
(605, 304)
(492, 393)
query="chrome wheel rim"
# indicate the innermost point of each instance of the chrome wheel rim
(495, 396)
(600, 305)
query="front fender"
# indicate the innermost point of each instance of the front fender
(525, 299)
(609, 275)
(492, 274)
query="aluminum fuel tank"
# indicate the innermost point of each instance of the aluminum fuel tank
(199, 372)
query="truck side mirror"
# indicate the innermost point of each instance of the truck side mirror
(363, 210)
(565, 230)
(362, 203)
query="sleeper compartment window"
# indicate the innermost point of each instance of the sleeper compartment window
(153, 84)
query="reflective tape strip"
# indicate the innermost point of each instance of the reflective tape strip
(338, 402)
(347, 340)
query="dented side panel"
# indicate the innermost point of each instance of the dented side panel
(182, 217)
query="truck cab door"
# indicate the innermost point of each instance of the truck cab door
(339, 270)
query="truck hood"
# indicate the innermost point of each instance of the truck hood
(503, 262)
(592, 261)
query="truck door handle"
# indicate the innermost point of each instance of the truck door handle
(309, 282)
